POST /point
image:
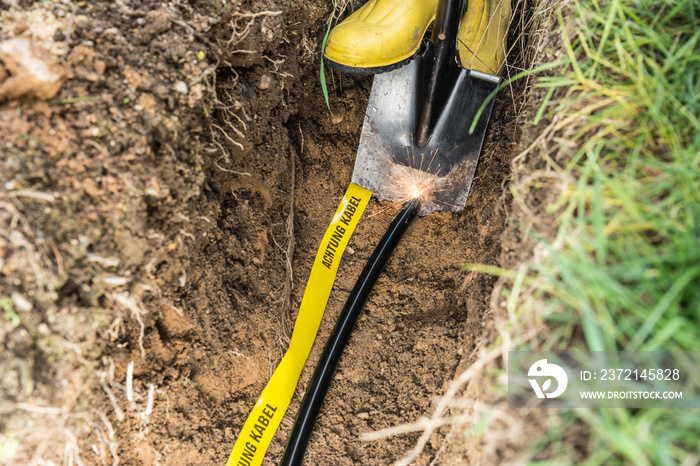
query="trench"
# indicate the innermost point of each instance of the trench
(289, 159)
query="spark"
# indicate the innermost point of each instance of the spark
(415, 181)
(414, 184)
(413, 175)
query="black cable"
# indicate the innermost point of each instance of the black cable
(318, 387)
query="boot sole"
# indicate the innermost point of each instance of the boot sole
(368, 70)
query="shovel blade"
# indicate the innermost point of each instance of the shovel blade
(388, 159)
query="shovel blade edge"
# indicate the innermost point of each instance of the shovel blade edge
(388, 155)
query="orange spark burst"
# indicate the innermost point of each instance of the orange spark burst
(412, 183)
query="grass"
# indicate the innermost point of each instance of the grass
(75, 100)
(339, 7)
(322, 71)
(10, 314)
(629, 219)
(620, 270)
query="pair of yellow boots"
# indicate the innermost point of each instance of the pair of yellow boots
(385, 34)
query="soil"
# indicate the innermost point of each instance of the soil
(146, 212)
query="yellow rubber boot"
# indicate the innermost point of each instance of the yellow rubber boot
(482, 36)
(381, 36)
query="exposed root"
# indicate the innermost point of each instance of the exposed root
(72, 452)
(289, 254)
(112, 399)
(130, 303)
(149, 404)
(276, 64)
(309, 48)
(203, 76)
(110, 440)
(130, 381)
(241, 24)
(236, 130)
(235, 143)
(231, 171)
(28, 193)
(233, 121)
(38, 409)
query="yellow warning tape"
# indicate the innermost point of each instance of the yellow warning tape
(263, 420)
